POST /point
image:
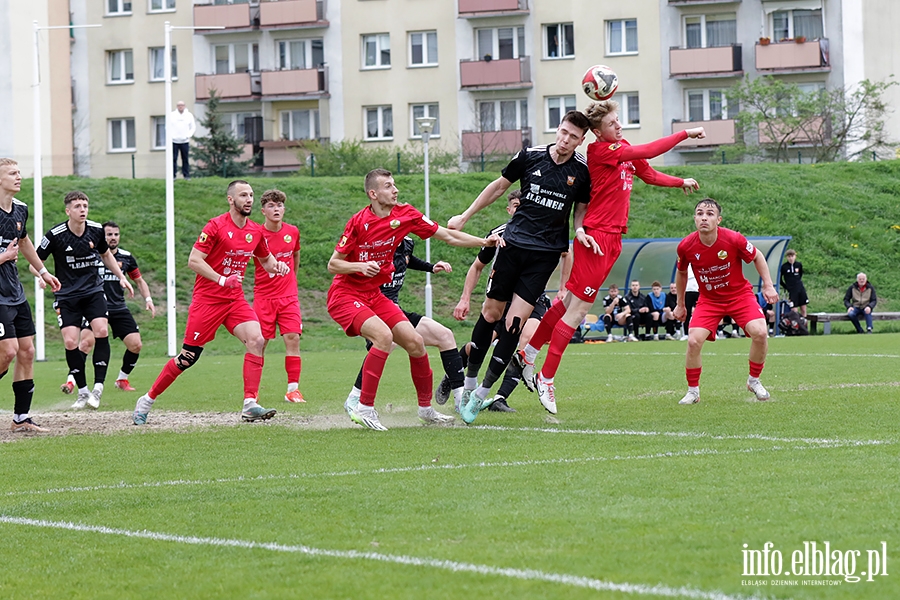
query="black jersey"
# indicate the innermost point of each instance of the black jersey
(12, 227)
(791, 275)
(608, 300)
(488, 253)
(549, 191)
(403, 259)
(671, 300)
(635, 302)
(112, 287)
(77, 258)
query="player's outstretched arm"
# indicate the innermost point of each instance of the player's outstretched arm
(113, 265)
(144, 289)
(35, 262)
(339, 265)
(660, 146)
(488, 196)
(464, 240)
(768, 288)
(472, 276)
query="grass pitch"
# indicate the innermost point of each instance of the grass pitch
(625, 494)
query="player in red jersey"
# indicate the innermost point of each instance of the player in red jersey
(275, 298)
(612, 163)
(362, 261)
(220, 257)
(715, 254)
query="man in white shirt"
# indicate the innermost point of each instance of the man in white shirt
(183, 127)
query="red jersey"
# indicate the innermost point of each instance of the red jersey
(283, 244)
(612, 167)
(718, 268)
(369, 237)
(228, 249)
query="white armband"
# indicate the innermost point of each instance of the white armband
(222, 280)
(43, 270)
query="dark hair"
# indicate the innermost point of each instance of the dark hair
(75, 195)
(656, 284)
(514, 195)
(577, 118)
(110, 224)
(234, 184)
(374, 174)
(710, 202)
(790, 252)
(273, 196)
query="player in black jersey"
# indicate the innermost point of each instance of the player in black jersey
(79, 247)
(553, 178)
(120, 319)
(433, 333)
(16, 323)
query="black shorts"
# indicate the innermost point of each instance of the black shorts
(16, 321)
(84, 324)
(122, 323)
(414, 318)
(798, 296)
(73, 310)
(540, 309)
(521, 272)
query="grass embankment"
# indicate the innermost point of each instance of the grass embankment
(843, 217)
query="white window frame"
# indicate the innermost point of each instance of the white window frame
(707, 114)
(518, 39)
(123, 135)
(565, 104)
(380, 112)
(771, 22)
(428, 110)
(123, 72)
(313, 115)
(703, 41)
(382, 43)
(623, 25)
(307, 53)
(164, 8)
(560, 35)
(151, 55)
(625, 100)
(427, 61)
(521, 114)
(155, 142)
(252, 57)
(121, 10)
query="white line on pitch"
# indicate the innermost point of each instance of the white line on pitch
(417, 468)
(770, 354)
(434, 563)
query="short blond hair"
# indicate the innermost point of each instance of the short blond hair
(6, 162)
(597, 110)
(273, 196)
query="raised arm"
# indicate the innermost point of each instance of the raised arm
(464, 240)
(660, 146)
(488, 196)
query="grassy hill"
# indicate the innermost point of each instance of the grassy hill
(843, 217)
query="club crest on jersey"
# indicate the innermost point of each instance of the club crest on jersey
(18, 226)
(203, 237)
(343, 240)
(287, 239)
(615, 146)
(91, 245)
(722, 255)
(395, 223)
(749, 247)
(571, 180)
(248, 238)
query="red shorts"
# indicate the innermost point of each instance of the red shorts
(742, 310)
(351, 308)
(204, 319)
(590, 270)
(284, 312)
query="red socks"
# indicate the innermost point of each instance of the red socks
(562, 333)
(544, 331)
(755, 369)
(373, 367)
(422, 378)
(292, 367)
(253, 367)
(693, 376)
(166, 377)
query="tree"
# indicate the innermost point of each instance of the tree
(831, 124)
(216, 153)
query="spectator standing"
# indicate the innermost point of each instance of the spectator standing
(183, 127)
(860, 299)
(792, 280)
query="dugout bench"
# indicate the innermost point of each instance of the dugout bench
(826, 319)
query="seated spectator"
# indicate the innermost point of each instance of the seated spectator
(769, 310)
(722, 334)
(640, 314)
(791, 280)
(673, 328)
(616, 312)
(860, 299)
(655, 303)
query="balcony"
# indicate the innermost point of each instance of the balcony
(698, 2)
(229, 86)
(282, 155)
(292, 14)
(718, 132)
(229, 16)
(812, 130)
(474, 9)
(689, 63)
(487, 143)
(296, 82)
(790, 56)
(512, 73)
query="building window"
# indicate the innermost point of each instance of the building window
(162, 5)
(379, 122)
(423, 49)
(299, 124)
(503, 115)
(120, 66)
(559, 40)
(557, 107)
(500, 42)
(300, 54)
(709, 31)
(236, 58)
(376, 51)
(424, 110)
(157, 64)
(622, 37)
(629, 109)
(121, 135)
(158, 129)
(707, 105)
(118, 7)
(808, 92)
(237, 121)
(788, 24)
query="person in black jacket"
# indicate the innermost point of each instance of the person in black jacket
(860, 299)
(792, 281)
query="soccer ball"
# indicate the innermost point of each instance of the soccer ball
(600, 82)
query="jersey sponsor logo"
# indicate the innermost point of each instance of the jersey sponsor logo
(343, 240)
(203, 237)
(18, 226)
(537, 173)
(248, 238)
(395, 223)
(615, 146)
(749, 248)
(722, 255)
(69, 249)
(571, 180)
(287, 239)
